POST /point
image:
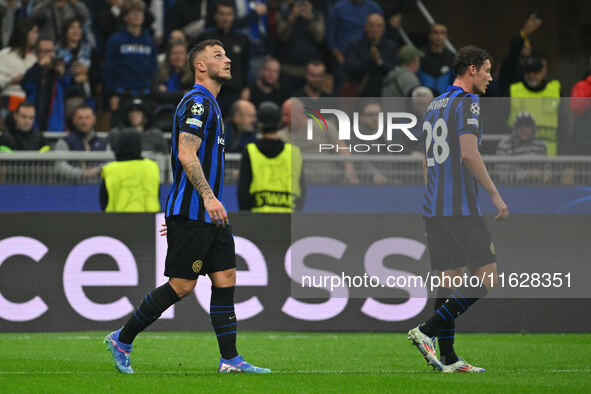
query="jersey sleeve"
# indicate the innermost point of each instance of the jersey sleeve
(196, 116)
(468, 115)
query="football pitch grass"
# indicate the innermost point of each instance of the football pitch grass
(180, 362)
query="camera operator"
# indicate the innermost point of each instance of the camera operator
(46, 83)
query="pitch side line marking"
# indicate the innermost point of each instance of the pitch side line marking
(319, 372)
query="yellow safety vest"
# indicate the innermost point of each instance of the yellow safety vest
(132, 186)
(275, 181)
(543, 106)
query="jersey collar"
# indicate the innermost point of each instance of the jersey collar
(454, 87)
(203, 89)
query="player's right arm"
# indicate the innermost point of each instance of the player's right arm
(188, 146)
(473, 161)
(193, 129)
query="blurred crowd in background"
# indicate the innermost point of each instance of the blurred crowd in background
(86, 65)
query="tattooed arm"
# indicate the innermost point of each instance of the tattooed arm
(188, 146)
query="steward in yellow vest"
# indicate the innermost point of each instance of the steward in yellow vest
(540, 98)
(271, 178)
(130, 184)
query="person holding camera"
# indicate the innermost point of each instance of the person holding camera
(46, 83)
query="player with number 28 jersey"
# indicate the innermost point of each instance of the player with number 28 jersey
(451, 189)
(457, 235)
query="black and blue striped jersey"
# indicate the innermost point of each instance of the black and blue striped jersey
(198, 113)
(451, 189)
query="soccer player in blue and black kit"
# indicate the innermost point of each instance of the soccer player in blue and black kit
(456, 233)
(200, 239)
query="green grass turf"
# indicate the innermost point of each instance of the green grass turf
(182, 362)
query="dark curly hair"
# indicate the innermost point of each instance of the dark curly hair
(468, 56)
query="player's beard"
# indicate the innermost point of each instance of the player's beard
(220, 77)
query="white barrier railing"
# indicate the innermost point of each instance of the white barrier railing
(35, 167)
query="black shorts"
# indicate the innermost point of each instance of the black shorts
(459, 241)
(197, 248)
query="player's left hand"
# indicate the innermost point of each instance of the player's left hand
(216, 211)
(163, 230)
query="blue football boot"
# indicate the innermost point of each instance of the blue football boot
(237, 364)
(120, 352)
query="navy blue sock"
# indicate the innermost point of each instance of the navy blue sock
(149, 310)
(447, 332)
(458, 302)
(223, 320)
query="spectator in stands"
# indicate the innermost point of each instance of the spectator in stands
(82, 138)
(130, 183)
(371, 57)
(580, 104)
(250, 19)
(541, 98)
(266, 86)
(19, 133)
(315, 78)
(51, 14)
(76, 54)
(298, 121)
(246, 13)
(15, 60)
(175, 36)
(401, 81)
(511, 70)
(137, 117)
(109, 19)
(178, 35)
(300, 31)
(241, 129)
(271, 178)
(436, 70)
(46, 84)
(173, 78)
(130, 60)
(237, 47)
(345, 23)
(522, 141)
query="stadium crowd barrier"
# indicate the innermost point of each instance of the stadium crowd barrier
(320, 169)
